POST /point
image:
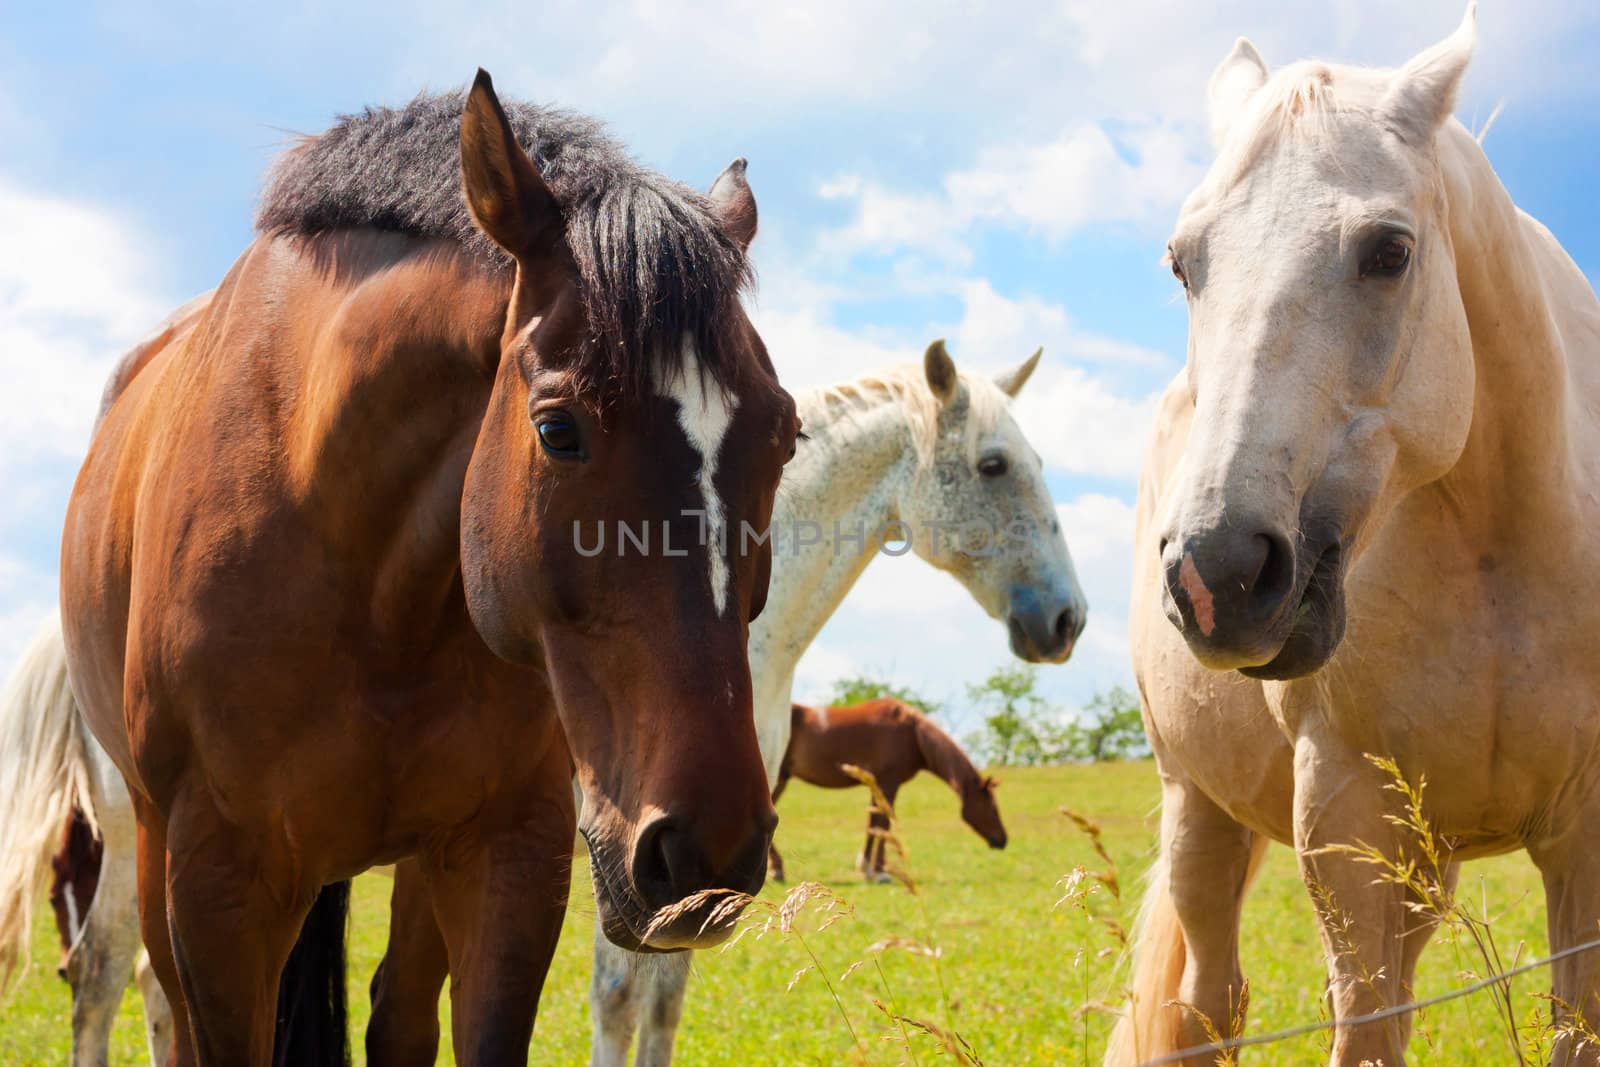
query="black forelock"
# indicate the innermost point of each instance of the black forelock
(655, 267)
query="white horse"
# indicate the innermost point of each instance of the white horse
(49, 764)
(928, 447)
(1366, 525)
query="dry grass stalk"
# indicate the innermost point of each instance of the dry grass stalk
(1424, 873)
(1077, 888)
(1107, 876)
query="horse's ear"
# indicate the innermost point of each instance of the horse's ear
(991, 784)
(1233, 83)
(941, 372)
(1012, 381)
(1424, 90)
(508, 199)
(734, 203)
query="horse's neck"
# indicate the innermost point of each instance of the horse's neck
(1535, 326)
(845, 479)
(411, 368)
(941, 756)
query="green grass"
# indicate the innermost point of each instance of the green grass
(1017, 968)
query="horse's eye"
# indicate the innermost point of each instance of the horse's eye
(558, 434)
(992, 466)
(1389, 259)
(1177, 271)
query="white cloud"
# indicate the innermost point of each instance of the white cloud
(1005, 330)
(27, 594)
(75, 292)
(819, 668)
(1083, 176)
(1028, 68)
(1078, 423)
(808, 351)
(1100, 530)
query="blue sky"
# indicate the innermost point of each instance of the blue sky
(1005, 179)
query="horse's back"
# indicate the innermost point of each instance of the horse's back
(877, 735)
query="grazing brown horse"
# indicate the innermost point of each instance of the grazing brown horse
(323, 598)
(893, 741)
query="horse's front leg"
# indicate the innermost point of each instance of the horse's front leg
(615, 992)
(1340, 802)
(1571, 870)
(667, 980)
(234, 907)
(633, 993)
(404, 1029)
(499, 899)
(878, 829)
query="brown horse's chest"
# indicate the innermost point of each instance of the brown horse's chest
(372, 752)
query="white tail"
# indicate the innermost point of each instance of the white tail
(44, 772)
(1150, 1023)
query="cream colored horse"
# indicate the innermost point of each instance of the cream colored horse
(1367, 525)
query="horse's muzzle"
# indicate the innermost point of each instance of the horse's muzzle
(1044, 629)
(1255, 600)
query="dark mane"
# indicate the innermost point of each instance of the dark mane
(654, 265)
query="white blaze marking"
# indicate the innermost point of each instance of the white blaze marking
(705, 413)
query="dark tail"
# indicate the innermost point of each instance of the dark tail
(312, 1030)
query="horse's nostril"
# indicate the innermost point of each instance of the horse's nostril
(1274, 574)
(669, 865)
(659, 863)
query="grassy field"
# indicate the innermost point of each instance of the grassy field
(1017, 968)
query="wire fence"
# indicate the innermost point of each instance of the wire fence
(1372, 1017)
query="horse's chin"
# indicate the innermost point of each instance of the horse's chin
(629, 923)
(690, 928)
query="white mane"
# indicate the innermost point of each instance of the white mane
(1298, 101)
(906, 385)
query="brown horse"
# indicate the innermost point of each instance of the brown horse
(324, 604)
(893, 741)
